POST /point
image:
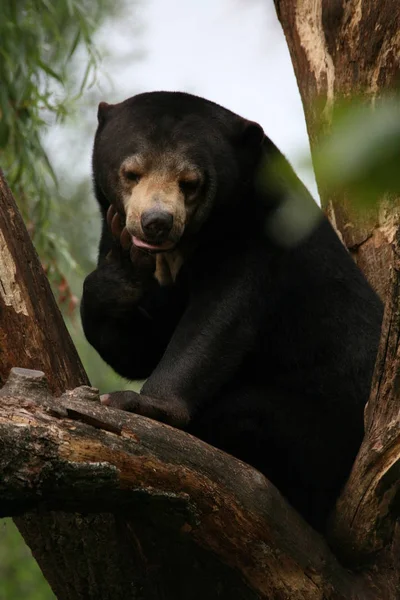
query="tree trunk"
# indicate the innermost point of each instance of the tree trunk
(343, 49)
(188, 520)
(32, 331)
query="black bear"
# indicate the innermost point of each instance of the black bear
(220, 280)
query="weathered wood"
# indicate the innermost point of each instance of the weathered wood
(339, 50)
(367, 514)
(33, 335)
(32, 331)
(213, 526)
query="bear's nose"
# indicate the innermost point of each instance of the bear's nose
(156, 224)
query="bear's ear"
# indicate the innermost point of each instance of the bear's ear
(102, 112)
(252, 134)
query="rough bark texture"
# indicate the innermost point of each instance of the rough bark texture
(188, 520)
(32, 331)
(339, 49)
(342, 49)
(33, 335)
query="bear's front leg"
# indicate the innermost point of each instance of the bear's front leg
(205, 350)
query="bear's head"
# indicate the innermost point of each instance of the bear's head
(166, 160)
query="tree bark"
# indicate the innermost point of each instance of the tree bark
(339, 50)
(188, 521)
(343, 49)
(32, 331)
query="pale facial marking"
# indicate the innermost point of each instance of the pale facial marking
(168, 266)
(167, 183)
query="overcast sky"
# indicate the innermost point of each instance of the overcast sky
(229, 51)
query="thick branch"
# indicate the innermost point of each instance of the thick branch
(32, 331)
(369, 509)
(75, 454)
(342, 50)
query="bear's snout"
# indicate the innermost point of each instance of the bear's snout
(156, 225)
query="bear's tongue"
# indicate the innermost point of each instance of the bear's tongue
(141, 244)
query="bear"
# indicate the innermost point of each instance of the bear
(221, 282)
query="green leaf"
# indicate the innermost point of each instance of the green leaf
(362, 154)
(50, 71)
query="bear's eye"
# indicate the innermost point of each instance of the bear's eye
(189, 186)
(132, 176)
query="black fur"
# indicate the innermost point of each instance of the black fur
(262, 348)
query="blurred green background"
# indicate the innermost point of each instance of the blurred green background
(59, 59)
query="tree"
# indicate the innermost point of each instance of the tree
(169, 516)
